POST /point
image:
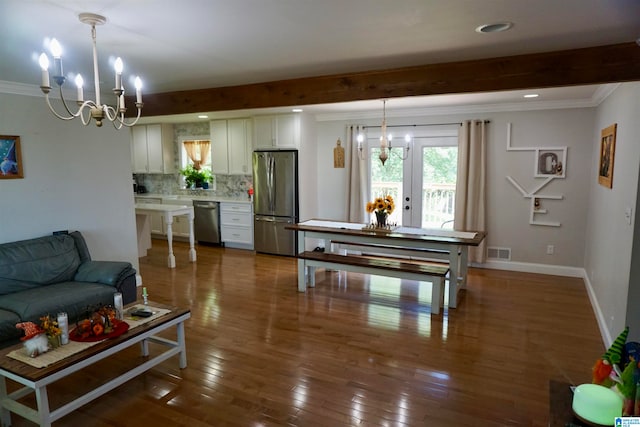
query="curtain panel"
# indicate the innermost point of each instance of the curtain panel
(470, 212)
(357, 178)
(198, 152)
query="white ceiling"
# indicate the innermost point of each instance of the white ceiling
(194, 44)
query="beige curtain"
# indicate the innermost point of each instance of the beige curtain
(198, 152)
(470, 212)
(357, 177)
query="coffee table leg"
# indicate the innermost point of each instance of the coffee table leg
(182, 345)
(5, 415)
(144, 348)
(42, 400)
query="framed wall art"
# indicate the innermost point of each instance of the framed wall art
(10, 157)
(607, 154)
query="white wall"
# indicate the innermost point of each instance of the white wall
(609, 238)
(508, 212)
(75, 178)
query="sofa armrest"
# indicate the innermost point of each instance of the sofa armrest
(106, 272)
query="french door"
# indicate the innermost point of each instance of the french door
(421, 180)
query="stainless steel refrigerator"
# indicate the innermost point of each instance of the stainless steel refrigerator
(275, 201)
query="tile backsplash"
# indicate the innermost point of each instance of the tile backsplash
(235, 186)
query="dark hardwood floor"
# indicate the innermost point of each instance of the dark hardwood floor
(355, 351)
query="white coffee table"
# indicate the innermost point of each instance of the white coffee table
(35, 380)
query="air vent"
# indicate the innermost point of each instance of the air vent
(499, 253)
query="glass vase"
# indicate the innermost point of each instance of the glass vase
(381, 219)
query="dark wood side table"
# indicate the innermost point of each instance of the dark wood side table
(560, 399)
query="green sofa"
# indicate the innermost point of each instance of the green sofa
(52, 274)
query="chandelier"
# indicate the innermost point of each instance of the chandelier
(88, 109)
(385, 140)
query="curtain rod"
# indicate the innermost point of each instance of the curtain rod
(430, 124)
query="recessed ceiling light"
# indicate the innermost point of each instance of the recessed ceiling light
(531, 95)
(203, 116)
(297, 110)
(494, 28)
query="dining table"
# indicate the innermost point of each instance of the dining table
(452, 246)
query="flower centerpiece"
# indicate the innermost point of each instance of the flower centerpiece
(52, 330)
(98, 324)
(382, 207)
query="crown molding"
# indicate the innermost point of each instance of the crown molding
(14, 88)
(459, 110)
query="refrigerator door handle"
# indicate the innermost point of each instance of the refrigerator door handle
(265, 219)
(270, 180)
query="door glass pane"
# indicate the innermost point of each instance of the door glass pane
(387, 180)
(439, 171)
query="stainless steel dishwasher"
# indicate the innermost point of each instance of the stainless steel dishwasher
(206, 221)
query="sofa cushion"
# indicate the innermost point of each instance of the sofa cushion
(8, 320)
(74, 298)
(39, 261)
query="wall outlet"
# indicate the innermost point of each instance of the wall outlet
(550, 249)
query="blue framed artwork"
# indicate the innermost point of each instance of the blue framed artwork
(10, 157)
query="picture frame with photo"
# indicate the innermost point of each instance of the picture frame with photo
(10, 157)
(607, 155)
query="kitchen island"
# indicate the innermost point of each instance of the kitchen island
(168, 212)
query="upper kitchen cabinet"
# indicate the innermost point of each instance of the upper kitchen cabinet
(281, 131)
(231, 146)
(152, 149)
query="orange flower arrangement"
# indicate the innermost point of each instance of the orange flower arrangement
(50, 326)
(382, 205)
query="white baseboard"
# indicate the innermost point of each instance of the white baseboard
(525, 267)
(557, 270)
(602, 324)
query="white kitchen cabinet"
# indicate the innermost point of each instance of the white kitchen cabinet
(236, 225)
(281, 131)
(231, 146)
(152, 149)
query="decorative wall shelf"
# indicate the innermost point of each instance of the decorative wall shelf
(550, 163)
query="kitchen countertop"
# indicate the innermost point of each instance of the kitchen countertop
(187, 198)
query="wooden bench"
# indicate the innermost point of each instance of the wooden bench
(379, 266)
(427, 254)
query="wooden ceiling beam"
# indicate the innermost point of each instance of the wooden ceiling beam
(594, 65)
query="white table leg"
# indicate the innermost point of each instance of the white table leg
(437, 294)
(182, 345)
(464, 261)
(5, 415)
(453, 276)
(302, 280)
(302, 269)
(192, 249)
(42, 401)
(312, 277)
(172, 259)
(144, 348)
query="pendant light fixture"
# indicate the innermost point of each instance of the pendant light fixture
(89, 109)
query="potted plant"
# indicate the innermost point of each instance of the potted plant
(196, 178)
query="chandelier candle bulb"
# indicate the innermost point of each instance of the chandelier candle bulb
(79, 83)
(63, 324)
(56, 52)
(119, 66)
(138, 84)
